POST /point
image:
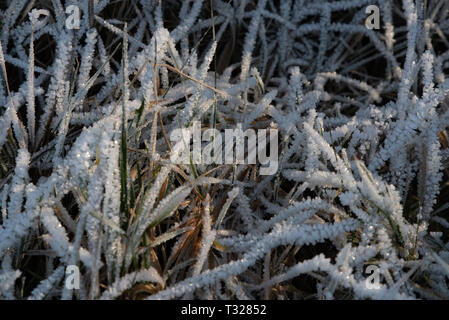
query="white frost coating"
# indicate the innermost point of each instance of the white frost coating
(126, 282)
(361, 149)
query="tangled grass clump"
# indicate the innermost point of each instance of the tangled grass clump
(88, 180)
